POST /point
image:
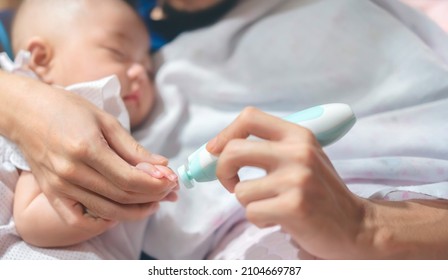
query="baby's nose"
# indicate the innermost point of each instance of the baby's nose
(136, 71)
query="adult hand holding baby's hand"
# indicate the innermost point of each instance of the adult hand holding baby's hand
(79, 153)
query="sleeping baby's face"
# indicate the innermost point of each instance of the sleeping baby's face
(109, 38)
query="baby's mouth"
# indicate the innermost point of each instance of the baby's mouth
(133, 96)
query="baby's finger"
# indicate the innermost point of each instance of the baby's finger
(167, 172)
(150, 169)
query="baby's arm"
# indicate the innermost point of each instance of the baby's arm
(40, 225)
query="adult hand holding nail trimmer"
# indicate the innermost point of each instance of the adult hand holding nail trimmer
(328, 123)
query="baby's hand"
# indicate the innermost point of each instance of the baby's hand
(159, 172)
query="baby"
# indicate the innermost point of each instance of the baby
(68, 42)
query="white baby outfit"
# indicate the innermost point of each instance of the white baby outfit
(120, 242)
(385, 60)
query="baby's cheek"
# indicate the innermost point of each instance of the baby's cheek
(147, 102)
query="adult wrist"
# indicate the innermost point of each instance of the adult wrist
(15, 92)
(370, 241)
(385, 233)
(8, 103)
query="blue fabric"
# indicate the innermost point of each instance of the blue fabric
(177, 21)
(5, 43)
(144, 8)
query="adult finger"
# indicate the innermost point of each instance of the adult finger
(251, 122)
(84, 220)
(171, 197)
(266, 212)
(263, 188)
(127, 147)
(126, 177)
(110, 152)
(100, 206)
(239, 153)
(91, 180)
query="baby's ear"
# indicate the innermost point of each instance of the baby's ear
(41, 58)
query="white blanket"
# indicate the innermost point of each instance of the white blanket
(382, 58)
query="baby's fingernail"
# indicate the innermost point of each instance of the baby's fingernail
(150, 169)
(172, 177)
(156, 173)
